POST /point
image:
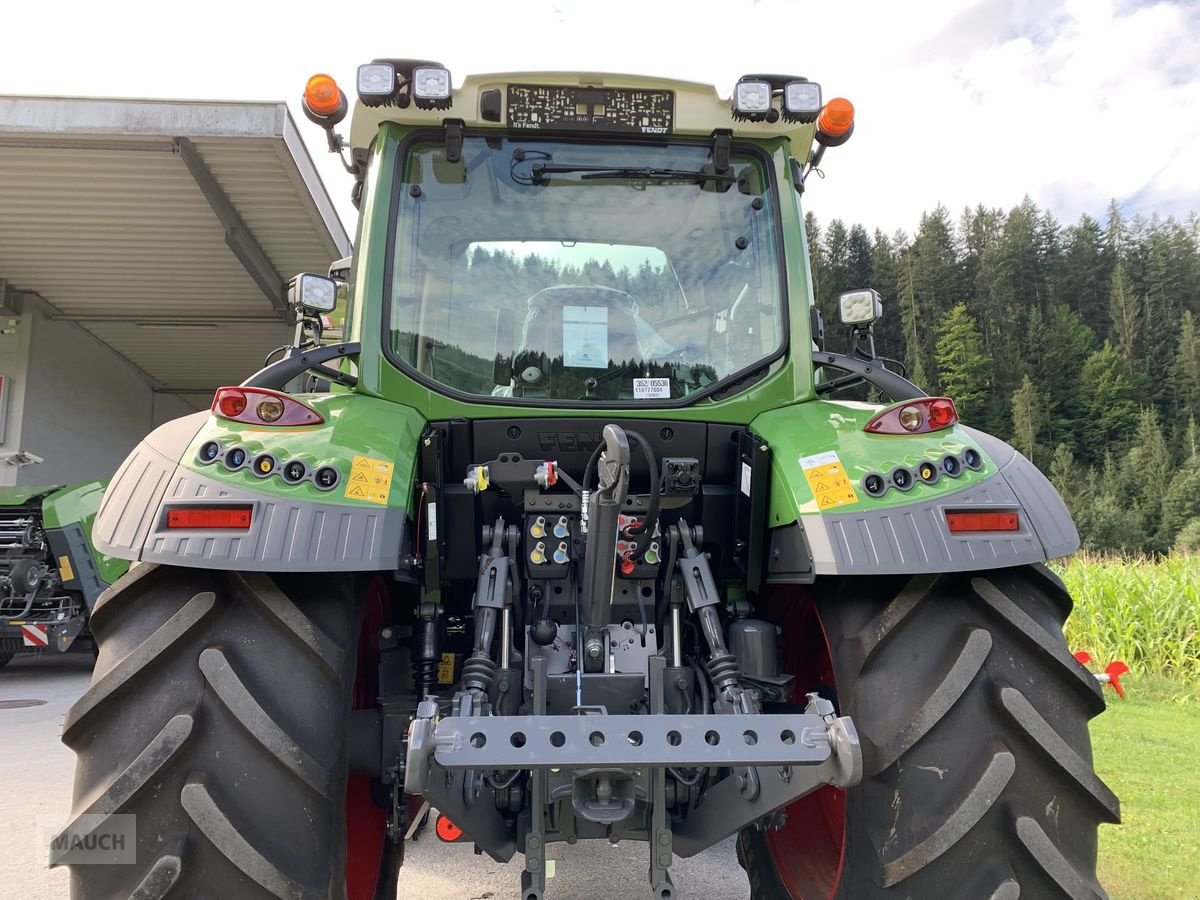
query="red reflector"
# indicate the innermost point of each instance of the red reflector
(447, 830)
(209, 517)
(961, 520)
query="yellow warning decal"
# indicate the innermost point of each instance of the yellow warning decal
(828, 480)
(370, 480)
(65, 572)
(445, 669)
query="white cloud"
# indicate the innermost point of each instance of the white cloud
(958, 102)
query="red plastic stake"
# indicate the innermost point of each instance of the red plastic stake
(1114, 671)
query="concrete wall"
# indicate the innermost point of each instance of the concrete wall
(83, 407)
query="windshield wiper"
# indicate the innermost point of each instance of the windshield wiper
(539, 170)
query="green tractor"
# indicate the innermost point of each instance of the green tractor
(50, 575)
(571, 534)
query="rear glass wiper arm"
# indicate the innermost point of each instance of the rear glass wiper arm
(539, 170)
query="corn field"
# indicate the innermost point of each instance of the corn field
(1142, 610)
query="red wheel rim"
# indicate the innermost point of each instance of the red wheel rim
(809, 849)
(366, 823)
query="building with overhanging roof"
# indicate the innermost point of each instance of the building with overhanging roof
(145, 250)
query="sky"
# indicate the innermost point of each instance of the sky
(959, 102)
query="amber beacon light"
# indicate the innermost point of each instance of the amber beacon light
(324, 101)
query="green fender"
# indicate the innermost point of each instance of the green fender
(819, 507)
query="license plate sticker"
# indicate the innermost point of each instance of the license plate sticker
(652, 388)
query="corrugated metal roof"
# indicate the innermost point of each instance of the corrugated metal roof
(102, 217)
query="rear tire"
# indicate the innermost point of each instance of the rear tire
(217, 714)
(978, 778)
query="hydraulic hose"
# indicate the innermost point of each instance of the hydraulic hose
(646, 532)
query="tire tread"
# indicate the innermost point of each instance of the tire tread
(126, 671)
(954, 803)
(248, 767)
(215, 824)
(237, 698)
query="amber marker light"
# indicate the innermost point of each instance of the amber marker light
(322, 95)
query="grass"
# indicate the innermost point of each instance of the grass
(1145, 750)
(1140, 610)
(1146, 612)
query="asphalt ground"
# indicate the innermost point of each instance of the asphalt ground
(35, 799)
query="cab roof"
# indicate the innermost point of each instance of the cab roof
(698, 108)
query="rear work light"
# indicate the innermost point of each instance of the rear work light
(431, 87)
(234, 517)
(960, 521)
(259, 406)
(919, 416)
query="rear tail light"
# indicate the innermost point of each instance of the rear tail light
(919, 416)
(259, 406)
(962, 521)
(234, 517)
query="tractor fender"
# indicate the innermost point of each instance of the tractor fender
(292, 528)
(915, 538)
(824, 521)
(126, 513)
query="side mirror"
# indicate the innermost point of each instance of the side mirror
(311, 293)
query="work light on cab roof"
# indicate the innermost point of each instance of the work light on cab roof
(400, 83)
(754, 96)
(786, 105)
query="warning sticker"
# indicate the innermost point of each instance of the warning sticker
(828, 480)
(445, 669)
(370, 480)
(65, 572)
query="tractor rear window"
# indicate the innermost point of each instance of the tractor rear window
(546, 271)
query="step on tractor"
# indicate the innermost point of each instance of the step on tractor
(50, 575)
(575, 531)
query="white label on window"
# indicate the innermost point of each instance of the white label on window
(746, 479)
(652, 388)
(431, 512)
(585, 336)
